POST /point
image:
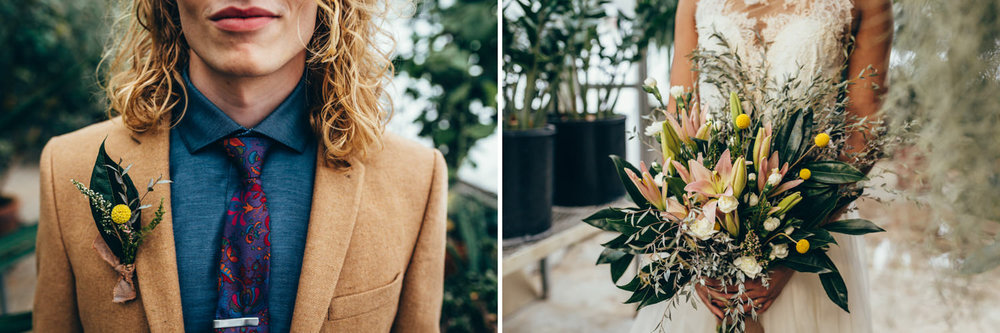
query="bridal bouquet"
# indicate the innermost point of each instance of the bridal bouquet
(736, 194)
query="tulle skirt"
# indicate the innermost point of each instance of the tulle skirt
(802, 306)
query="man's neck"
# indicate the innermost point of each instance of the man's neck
(246, 99)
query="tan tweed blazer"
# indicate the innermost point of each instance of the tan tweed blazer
(374, 254)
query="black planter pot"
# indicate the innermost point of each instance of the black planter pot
(527, 181)
(584, 174)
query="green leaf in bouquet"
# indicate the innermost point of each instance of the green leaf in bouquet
(809, 262)
(610, 255)
(604, 218)
(618, 259)
(835, 288)
(853, 227)
(834, 172)
(619, 266)
(782, 144)
(618, 242)
(804, 139)
(813, 210)
(675, 186)
(820, 238)
(631, 286)
(633, 192)
(834, 285)
(847, 199)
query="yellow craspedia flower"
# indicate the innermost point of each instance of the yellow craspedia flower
(743, 121)
(802, 246)
(822, 140)
(805, 173)
(121, 214)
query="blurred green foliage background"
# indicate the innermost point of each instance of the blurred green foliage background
(50, 49)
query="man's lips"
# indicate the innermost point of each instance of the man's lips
(242, 19)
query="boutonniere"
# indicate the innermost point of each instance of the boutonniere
(116, 206)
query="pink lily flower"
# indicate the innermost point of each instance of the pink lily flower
(709, 183)
(647, 187)
(690, 125)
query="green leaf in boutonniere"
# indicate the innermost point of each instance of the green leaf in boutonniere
(117, 207)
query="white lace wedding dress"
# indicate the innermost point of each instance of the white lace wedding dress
(805, 37)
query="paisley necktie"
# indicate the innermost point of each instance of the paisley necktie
(244, 265)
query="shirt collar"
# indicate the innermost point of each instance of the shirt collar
(203, 123)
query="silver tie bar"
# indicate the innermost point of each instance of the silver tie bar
(236, 322)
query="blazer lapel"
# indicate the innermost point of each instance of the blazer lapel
(156, 260)
(336, 197)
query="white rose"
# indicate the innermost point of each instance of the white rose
(779, 251)
(702, 228)
(659, 179)
(727, 204)
(789, 230)
(748, 265)
(753, 200)
(676, 91)
(650, 82)
(752, 176)
(774, 178)
(654, 129)
(771, 223)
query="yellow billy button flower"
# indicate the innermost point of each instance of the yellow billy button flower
(802, 246)
(805, 173)
(743, 121)
(822, 140)
(121, 214)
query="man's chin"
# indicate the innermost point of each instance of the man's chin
(244, 68)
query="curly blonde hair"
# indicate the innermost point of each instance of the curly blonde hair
(347, 71)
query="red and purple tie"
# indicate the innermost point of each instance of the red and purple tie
(245, 259)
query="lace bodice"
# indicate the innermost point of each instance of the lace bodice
(780, 39)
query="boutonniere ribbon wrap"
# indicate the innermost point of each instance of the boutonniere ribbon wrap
(117, 209)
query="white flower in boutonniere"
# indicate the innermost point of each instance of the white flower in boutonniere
(748, 265)
(779, 251)
(117, 207)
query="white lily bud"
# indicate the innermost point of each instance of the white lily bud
(649, 82)
(677, 91)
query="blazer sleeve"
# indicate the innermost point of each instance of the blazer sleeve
(423, 285)
(55, 308)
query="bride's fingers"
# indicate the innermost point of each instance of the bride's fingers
(766, 305)
(709, 302)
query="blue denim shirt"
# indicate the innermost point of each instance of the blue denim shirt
(205, 180)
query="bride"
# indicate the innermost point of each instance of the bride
(785, 37)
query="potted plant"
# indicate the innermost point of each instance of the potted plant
(531, 38)
(599, 52)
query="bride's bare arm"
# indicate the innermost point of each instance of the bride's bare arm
(685, 41)
(872, 43)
